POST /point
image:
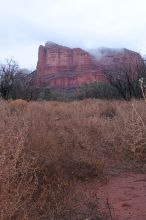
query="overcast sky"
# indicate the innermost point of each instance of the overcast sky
(25, 24)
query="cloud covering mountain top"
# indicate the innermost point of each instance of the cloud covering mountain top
(26, 24)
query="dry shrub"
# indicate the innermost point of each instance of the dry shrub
(46, 147)
(109, 112)
(125, 135)
(132, 132)
(18, 104)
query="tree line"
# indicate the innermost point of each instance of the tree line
(16, 83)
(123, 82)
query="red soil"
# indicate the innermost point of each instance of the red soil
(122, 198)
(126, 197)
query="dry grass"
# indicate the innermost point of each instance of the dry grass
(45, 147)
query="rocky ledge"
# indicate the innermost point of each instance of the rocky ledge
(61, 67)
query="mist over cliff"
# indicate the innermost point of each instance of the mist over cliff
(68, 68)
(102, 52)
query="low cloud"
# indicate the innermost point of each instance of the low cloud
(25, 24)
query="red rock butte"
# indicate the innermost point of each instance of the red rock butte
(61, 67)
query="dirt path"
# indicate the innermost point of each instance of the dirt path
(125, 197)
(121, 198)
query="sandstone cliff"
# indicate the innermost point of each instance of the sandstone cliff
(61, 67)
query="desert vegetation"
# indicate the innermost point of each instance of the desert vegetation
(122, 84)
(47, 148)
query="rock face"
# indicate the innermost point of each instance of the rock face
(61, 67)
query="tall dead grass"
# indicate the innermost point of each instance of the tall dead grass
(45, 147)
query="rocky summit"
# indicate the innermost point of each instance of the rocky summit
(61, 67)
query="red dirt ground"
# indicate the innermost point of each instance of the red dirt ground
(126, 197)
(121, 198)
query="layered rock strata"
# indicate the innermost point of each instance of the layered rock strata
(61, 67)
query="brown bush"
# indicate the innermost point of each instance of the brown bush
(17, 105)
(45, 147)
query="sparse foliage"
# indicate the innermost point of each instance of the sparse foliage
(8, 72)
(126, 79)
(15, 83)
